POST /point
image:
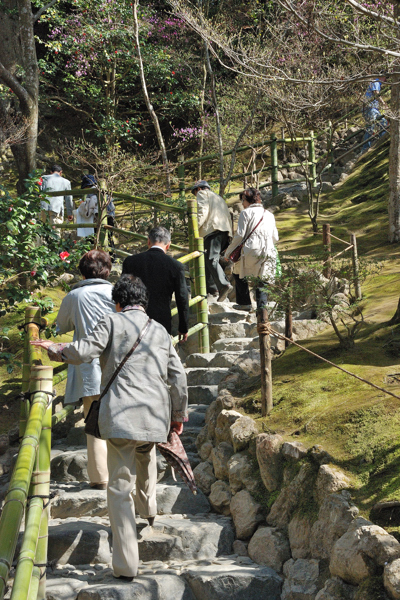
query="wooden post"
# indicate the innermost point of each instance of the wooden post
(274, 165)
(283, 145)
(288, 325)
(357, 285)
(265, 359)
(329, 148)
(326, 241)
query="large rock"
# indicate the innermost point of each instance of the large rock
(62, 588)
(204, 476)
(225, 419)
(174, 538)
(299, 531)
(308, 328)
(79, 542)
(294, 451)
(234, 582)
(83, 503)
(269, 547)
(205, 451)
(336, 589)
(284, 506)
(241, 473)
(157, 587)
(362, 551)
(391, 579)
(220, 457)
(178, 499)
(246, 514)
(301, 579)
(270, 459)
(242, 431)
(220, 497)
(334, 518)
(330, 479)
(69, 466)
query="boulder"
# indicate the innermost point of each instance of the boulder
(288, 499)
(225, 419)
(308, 328)
(220, 457)
(78, 542)
(301, 579)
(268, 449)
(178, 499)
(229, 582)
(293, 451)
(220, 497)
(330, 479)
(336, 589)
(62, 588)
(362, 551)
(241, 473)
(334, 518)
(269, 547)
(299, 531)
(204, 476)
(242, 431)
(205, 451)
(69, 466)
(240, 548)
(391, 579)
(246, 514)
(319, 455)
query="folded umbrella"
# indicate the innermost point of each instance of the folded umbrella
(175, 455)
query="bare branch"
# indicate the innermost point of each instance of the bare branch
(42, 10)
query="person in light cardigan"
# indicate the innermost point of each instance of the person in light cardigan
(146, 399)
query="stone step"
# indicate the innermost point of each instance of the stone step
(226, 578)
(176, 537)
(204, 394)
(213, 359)
(231, 330)
(197, 415)
(172, 498)
(233, 316)
(232, 344)
(200, 376)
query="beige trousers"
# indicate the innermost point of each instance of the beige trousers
(54, 219)
(96, 450)
(129, 461)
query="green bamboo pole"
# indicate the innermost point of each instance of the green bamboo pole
(159, 205)
(188, 257)
(202, 290)
(274, 163)
(42, 381)
(62, 414)
(191, 331)
(192, 302)
(61, 375)
(15, 501)
(181, 176)
(31, 326)
(192, 205)
(34, 587)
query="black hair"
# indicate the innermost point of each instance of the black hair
(130, 290)
(56, 169)
(95, 264)
(252, 195)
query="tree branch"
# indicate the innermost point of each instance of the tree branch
(10, 80)
(42, 10)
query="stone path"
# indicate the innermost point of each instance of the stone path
(188, 554)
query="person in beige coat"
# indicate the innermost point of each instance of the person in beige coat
(146, 399)
(258, 257)
(215, 226)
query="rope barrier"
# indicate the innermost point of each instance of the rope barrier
(283, 337)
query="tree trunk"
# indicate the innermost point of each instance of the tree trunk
(394, 164)
(395, 320)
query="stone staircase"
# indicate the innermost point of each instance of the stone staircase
(189, 552)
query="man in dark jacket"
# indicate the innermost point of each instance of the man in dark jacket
(163, 276)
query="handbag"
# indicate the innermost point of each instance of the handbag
(92, 418)
(235, 254)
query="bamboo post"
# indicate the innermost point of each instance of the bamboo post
(192, 207)
(15, 501)
(31, 328)
(357, 284)
(326, 242)
(283, 145)
(42, 380)
(202, 310)
(181, 177)
(265, 359)
(329, 148)
(274, 166)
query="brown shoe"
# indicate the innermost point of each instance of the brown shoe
(98, 486)
(224, 293)
(151, 521)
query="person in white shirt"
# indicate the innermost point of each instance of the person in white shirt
(53, 209)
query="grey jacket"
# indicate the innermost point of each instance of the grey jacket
(56, 183)
(139, 405)
(87, 302)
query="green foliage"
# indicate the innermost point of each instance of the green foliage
(30, 257)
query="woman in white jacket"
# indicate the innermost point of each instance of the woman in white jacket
(258, 256)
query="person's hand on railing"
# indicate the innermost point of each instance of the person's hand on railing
(182, 337)
(42, 343)
(177, 426)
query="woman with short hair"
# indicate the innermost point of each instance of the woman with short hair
(137, 410)
(81, 309)
(259, 255)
